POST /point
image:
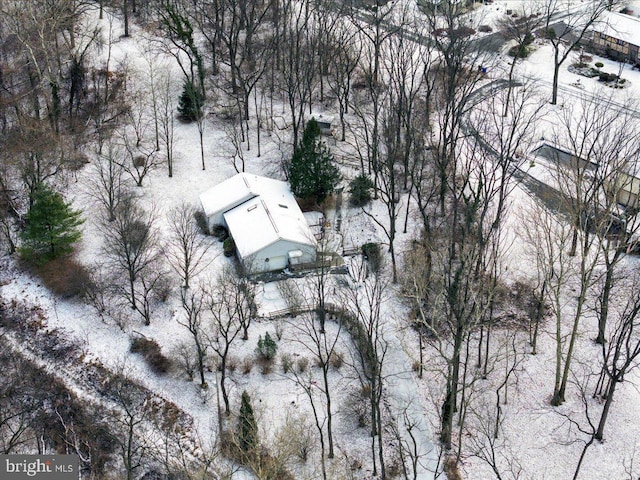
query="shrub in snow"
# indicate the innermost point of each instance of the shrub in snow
(287, 362)
(267, 367)
(187, 360)
(360, 190)
(519, 51)
(66, 277)
(451, 468)
(279, 330)
(247, 366)
(267, 347)
(232, 364)
(228, 247)
(607, 77)
(139, 161)
(201, 221)
(302, 364)
(336, 360)
(304, 440)
(371, 252)
(152, 354)
(220, 233)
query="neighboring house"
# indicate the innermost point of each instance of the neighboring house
(618, 35)
(623, 187)
(264, 220)
(625, 190)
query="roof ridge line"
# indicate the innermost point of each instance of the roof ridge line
(273, 223)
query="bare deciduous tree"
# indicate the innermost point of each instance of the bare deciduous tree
(314, 338)
(621, 351)
(108, 186)
(187, 247)
(140, 157)
(133, 411)
(193, 304)
(223, 304)
(131, 247)
(167, 122)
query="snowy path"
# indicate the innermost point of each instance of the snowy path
(406, 401)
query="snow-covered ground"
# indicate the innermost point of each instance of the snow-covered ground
(276, 397)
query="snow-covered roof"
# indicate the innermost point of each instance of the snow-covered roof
(322, 117)
(256, 224)
(258, 211)
(232, 192)
(620, 26)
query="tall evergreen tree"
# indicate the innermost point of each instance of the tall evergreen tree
(190, 103)
(312, 172)
(51, 226)
(247, 426)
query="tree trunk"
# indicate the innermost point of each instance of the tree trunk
(574, 239)
(132, 292)
(558, 395)
(201, 354)
(201, 144)
(604, 305)
(582, 455)
(329, 416)
(223, 389)
(449, 407)
(125, 13)
(509, 87)
(556, 74)
(605, 410)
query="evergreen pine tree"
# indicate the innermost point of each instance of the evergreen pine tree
(360, 190)
(190, 103)
(51, 226)
(267, 347)
(312, 172)
(247, 426)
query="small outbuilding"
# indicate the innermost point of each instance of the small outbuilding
(325, 123)
(263, 218)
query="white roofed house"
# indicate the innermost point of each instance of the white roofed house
(618, 35)
(264, 220)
